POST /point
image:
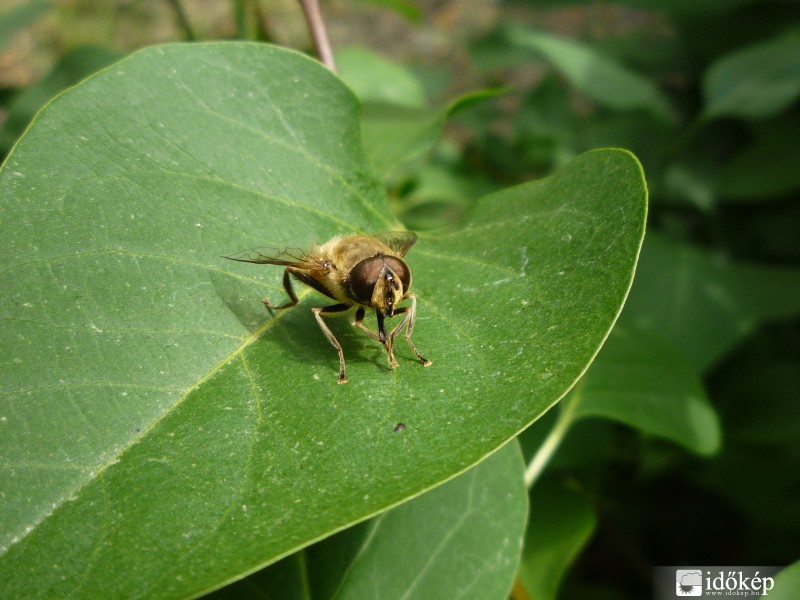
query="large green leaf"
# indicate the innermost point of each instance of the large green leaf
(460, 540)
(162, 433)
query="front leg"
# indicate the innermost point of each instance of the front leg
(409, 319)
(386, 339)
(381, 336)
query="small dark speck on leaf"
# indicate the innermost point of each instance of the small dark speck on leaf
(399, 427)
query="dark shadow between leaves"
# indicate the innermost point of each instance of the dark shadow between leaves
(337, 553)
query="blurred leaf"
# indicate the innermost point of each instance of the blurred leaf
(561, 522)
(768, 167)
(494, 52)
(786, 583)
(597, 76)
(771, 470)
(18, 17)
(690, 180)
(643, 382)
(473, 98)
(765, 231)
(637, 131)
(759, 383)
(703, 303)
(766, 409)
(673, 7)
(393, 135)
(442, 184)
(545, 110)
(406, 8)
(748, 24)
(587, 447)
(755, 82)
(545, 126)
(163, 434)
(755, 390)
(397, 125)
(378, 80)
(460, 540)
(439, 196)
(74, 66)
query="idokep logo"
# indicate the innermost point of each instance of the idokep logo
(688, 582)
(741, 582)
(671, 583)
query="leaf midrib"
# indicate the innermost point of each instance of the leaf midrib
(98, 471)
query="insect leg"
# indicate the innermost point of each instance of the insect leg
(318, 312)
(409, 319)
(385, 339)
(381, 337)
(287, 285)
(359, 323)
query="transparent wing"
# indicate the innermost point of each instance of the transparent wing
(399, 241)
(290, 257)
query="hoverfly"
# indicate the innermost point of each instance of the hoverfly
(367, 271)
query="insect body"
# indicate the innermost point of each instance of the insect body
(367, 271)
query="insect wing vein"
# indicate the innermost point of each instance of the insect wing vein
(290, 257)
(399, 241)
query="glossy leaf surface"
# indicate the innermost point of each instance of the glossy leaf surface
(162, 433)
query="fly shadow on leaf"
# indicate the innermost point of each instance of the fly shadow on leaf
(296, 331)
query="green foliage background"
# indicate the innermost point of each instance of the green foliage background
(153, 416)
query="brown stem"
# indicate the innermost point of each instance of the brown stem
(316, 26)
(183, 21)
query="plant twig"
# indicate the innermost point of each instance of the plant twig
(183, 20)
(240, 17)
(316, 25)
(554, 438)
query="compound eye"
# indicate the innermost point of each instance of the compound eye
(401, 272)
(364, 277)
